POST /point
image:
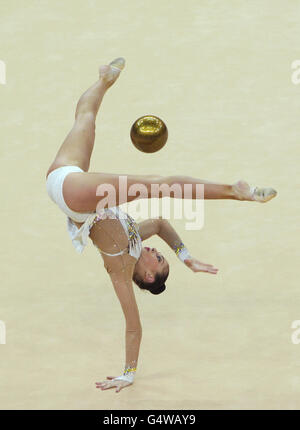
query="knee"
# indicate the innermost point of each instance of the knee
(85, 120)
(154, 181)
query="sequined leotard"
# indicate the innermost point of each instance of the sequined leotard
(133, 244)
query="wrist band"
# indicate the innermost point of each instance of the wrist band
(182, 252)
(128, 375)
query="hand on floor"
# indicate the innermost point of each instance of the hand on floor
(111, 382)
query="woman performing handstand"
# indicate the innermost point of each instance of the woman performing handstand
(115, 234)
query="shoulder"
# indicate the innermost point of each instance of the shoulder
(119, 264)
(149, 227)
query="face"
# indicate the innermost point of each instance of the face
(151, 262)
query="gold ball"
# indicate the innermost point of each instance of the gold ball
(149, 133)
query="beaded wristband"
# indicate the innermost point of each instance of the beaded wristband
(128, 375)
(182, 252)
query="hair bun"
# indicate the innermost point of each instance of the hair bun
(158, 290)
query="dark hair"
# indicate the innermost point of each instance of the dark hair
(156, 287)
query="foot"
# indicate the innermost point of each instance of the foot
(243, 191)
(110, 73)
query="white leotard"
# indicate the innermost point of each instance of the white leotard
(80, 235)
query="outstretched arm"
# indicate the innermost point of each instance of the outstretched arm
(167, 233)
(123, 287)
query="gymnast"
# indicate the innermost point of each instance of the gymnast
(117, 237)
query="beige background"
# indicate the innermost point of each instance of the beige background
(219, 74)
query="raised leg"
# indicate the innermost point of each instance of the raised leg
(77, 148)
(80, 189)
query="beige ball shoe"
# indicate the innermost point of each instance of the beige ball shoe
(109, 73)
(244, 192)
(263, 195)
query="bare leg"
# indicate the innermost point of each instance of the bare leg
(212, 190)
(241, 190)
(81, 189)
(77, 148)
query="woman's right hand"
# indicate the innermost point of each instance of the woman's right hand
(112, 382)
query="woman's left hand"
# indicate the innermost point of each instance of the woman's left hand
(111, 382)
(196, 266)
